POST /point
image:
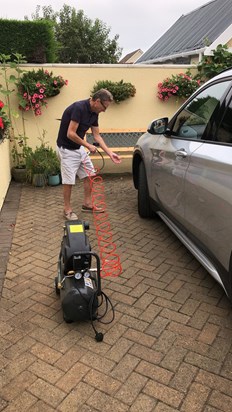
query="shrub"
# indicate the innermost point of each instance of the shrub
(210, 66)
(120, 90)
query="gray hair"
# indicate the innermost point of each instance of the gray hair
(104, 95)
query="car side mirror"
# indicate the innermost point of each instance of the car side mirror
(158, 126)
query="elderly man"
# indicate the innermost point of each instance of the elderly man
(75, 161)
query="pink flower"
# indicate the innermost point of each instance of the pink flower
(66, 82)
(55, 82)
(41, 96)
(1, 104)
(1, 123)
(41, 91)
(38, 85)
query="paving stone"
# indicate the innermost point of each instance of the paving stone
(162, 392)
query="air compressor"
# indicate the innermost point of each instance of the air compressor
(77, 282)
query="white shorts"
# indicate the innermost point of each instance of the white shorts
(74, 163)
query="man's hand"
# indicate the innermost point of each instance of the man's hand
(92, 148)
(114, 157)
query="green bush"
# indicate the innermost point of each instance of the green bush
(120, 90)
(43, 160)
(210, 66)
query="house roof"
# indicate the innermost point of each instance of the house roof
(192, 32)
(128, 56)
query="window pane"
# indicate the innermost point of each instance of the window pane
(224, 133)
(194, 118)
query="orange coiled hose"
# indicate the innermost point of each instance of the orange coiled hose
(110, 260)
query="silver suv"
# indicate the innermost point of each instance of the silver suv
(182, 170)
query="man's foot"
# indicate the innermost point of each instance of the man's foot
(70, 215)
(94, 209)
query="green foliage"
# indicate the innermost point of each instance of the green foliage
(184, 84)
(120, 90)
(35, 86)
(20, 150)
(33, 39)
(43, 160)
(80, 39)
(19, 146)
(210, 66)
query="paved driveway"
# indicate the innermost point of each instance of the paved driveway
(169, 347)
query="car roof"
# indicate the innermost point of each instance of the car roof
(224, 73)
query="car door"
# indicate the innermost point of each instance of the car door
(208, 187)
(171, 155)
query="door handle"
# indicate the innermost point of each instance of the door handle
(181, 153)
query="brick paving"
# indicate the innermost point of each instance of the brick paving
(169, 347)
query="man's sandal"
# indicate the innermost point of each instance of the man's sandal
(92, 209)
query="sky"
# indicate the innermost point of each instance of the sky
(139, 23)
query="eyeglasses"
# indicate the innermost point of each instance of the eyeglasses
(105, 107)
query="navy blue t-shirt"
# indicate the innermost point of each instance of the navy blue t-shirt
(81, 113)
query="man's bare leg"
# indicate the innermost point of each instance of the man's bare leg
(87, 192)
(67, 190)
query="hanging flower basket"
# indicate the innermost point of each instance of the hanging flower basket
(180, 86)
(35, 87)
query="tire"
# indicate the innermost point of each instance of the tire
(56, 286)
(67, 320)
(144, 206)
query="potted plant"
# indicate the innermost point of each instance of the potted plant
(36, 166)
(53, 168)
(42, 163)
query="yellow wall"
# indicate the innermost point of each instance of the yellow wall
(134, 114)
(4, 170)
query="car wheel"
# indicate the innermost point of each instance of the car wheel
(144, 207)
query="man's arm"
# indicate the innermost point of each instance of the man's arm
(72, 135)
(97, 137)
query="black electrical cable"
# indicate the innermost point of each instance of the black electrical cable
(98, 335)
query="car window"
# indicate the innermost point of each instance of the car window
(224, 133)
(192, 121)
